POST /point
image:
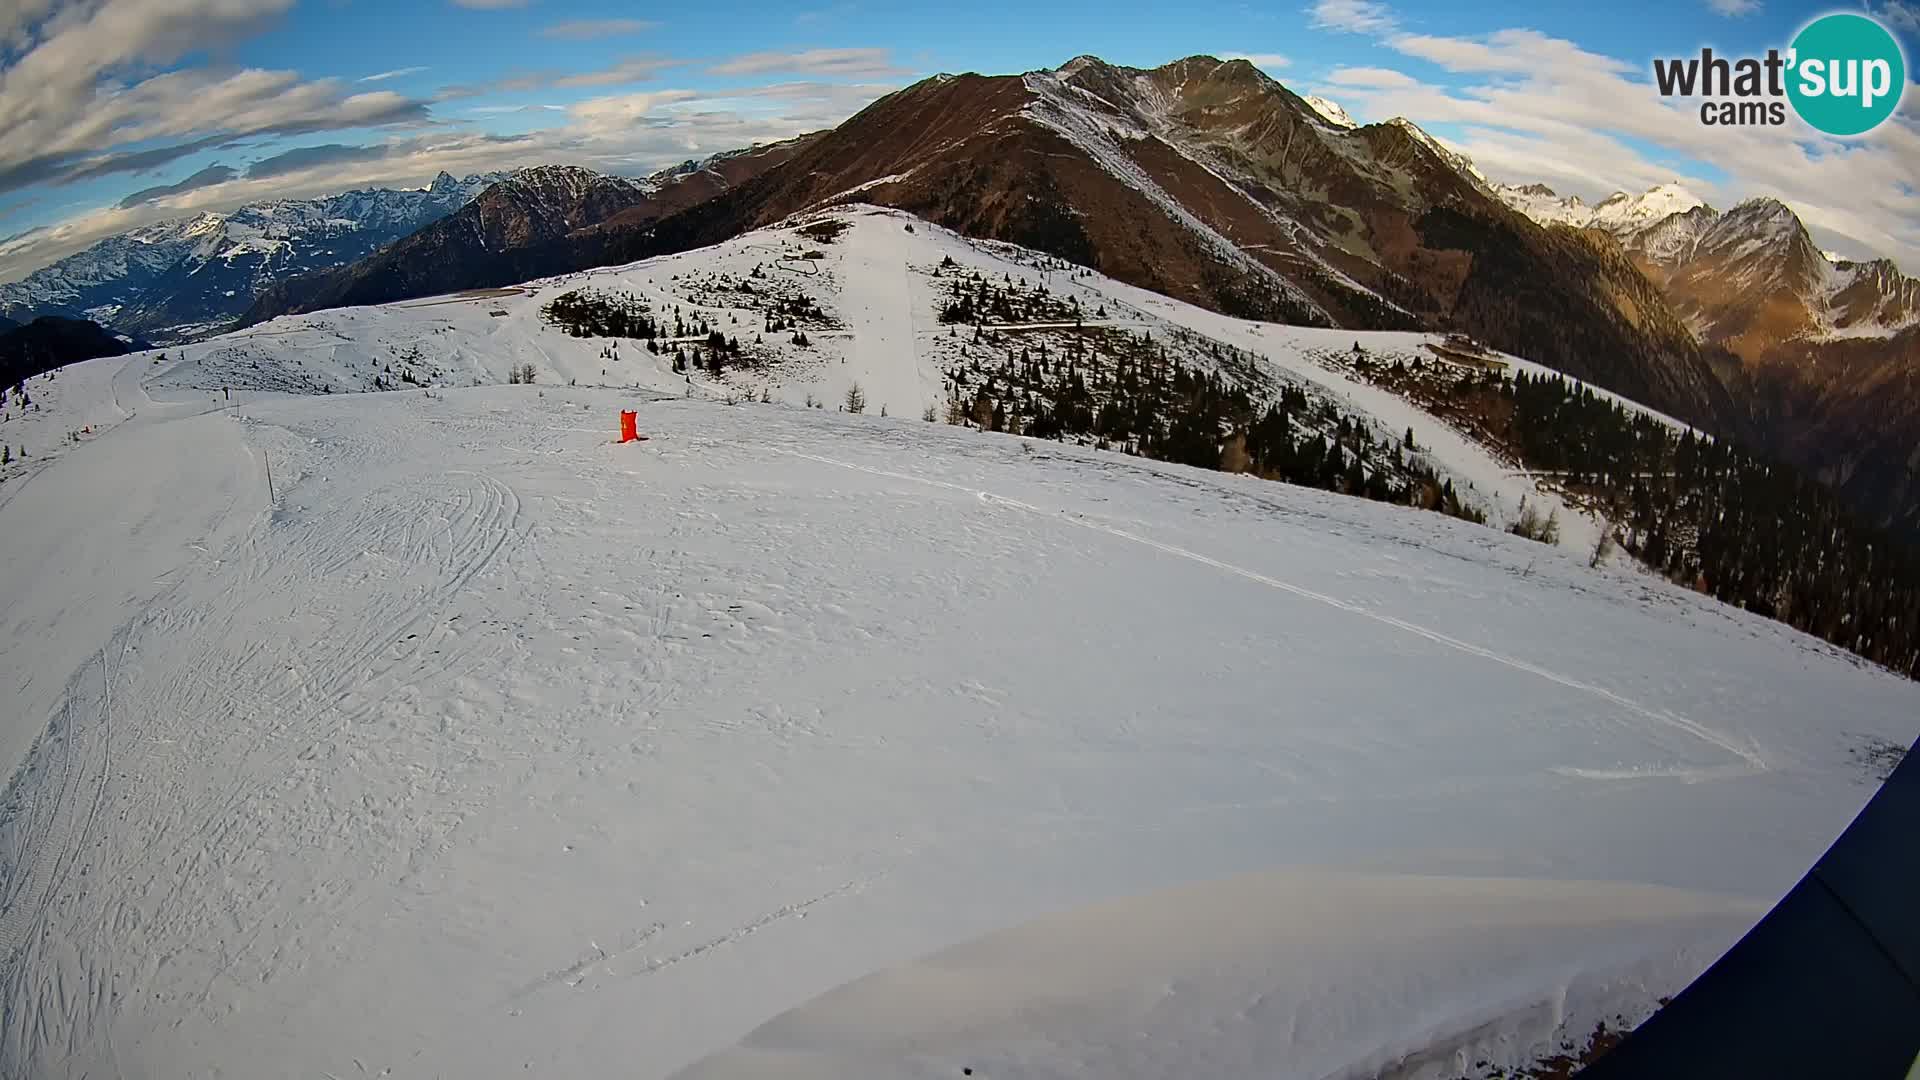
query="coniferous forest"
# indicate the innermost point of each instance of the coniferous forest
(1700, 511)
(1707, 514)
(1118, 391)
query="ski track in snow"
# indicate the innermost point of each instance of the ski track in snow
(883, 340)
(287, 792)
(489, 746)
(1749, 758)
(396, 640)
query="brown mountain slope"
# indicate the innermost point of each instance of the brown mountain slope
(966, 153)
(1207, 181)
(1872, 294)
(1202, 179)
(1817, 353)
(1847, 410)
(1752, 278)
(1573, 300)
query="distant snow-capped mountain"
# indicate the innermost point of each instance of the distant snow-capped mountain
(1753, 277)
(1621, 214)
(1544, 205)
(1330, 111)
(190, 276)
(1672, 239)
(519, 228)
(1750, 277)
(1821, 348)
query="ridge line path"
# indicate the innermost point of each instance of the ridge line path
(97, 539)
(883, 358)
(128, 521)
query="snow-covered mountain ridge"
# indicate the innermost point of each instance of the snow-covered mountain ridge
(182, 277)
(1620, 213)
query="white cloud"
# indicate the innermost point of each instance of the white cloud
(811, 18)
(207, 177)
(1382, 78)
(594, 29)
(1734, 8)
(634, 69)
(1506, 51)
(631, 134)
(1899, 14)
(1259, 60)
(18, 16)
(1353, 16)
(598, 118)
(77, 100)
(824, 99)
(396, 73)
(835, 63)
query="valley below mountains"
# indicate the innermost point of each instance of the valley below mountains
(1820, 355)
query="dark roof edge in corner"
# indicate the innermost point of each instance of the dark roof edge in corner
(1827, 984)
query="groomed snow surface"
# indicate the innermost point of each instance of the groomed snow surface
(1255, 976)
(489, 747)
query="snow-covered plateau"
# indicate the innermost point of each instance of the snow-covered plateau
(434, 733)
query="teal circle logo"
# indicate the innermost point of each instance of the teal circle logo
(1847, 74)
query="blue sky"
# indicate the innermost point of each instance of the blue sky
(114, 113)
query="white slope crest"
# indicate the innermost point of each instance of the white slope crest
(879, 287)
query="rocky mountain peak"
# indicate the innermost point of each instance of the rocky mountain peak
(186, 277)
(1331, 112)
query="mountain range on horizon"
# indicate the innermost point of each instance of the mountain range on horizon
(192, 276)
(1687, 246)
(1204, 180)
(510, 231)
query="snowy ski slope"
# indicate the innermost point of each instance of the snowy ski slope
(489, 747)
